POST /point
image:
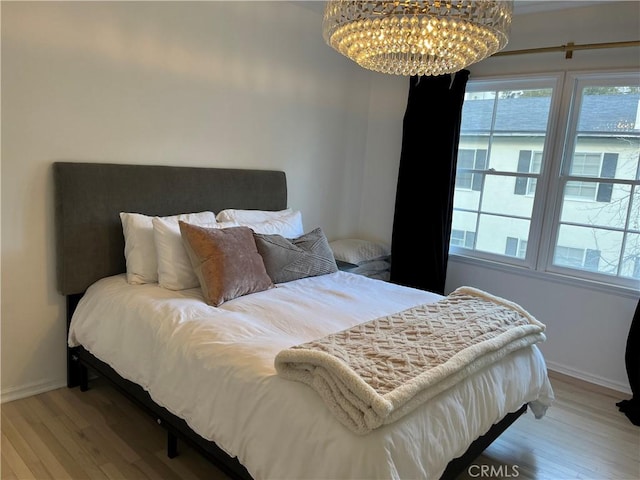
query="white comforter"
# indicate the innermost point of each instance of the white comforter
(214, 367)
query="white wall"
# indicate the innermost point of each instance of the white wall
(174, 83)
(597, 22)
(587, 328)
(388, 100)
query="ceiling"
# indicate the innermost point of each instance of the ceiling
(532, 6)
(519, 6)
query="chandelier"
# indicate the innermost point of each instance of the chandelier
(429, 37)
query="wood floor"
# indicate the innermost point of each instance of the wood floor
(98, 434)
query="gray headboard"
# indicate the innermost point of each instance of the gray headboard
(90, 196)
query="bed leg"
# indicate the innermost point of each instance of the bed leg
(74, 375)
(172, 445)
(84, 378)
(73, 368)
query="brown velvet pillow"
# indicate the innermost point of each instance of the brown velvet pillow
(226, 262)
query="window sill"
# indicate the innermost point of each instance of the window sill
(547, 276)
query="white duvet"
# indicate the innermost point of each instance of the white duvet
(214, 367)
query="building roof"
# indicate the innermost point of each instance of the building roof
(599, 113)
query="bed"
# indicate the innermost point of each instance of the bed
(207, 373)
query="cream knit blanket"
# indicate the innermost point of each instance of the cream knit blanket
(376, 372)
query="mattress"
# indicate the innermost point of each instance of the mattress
(214, 367)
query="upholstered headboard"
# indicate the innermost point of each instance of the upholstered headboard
(90, 196)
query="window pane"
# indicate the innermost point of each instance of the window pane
(470, 159)
(507, 126)
(506, 153)
(465, 157)
(569, 256)
(602, 156)
(464, 180)
(586, 164)
(534, 104)
(499, 197)
(631, 258)
(471, 142)
(462, 238)
(607, 244)
(598, 217)
(581, 191)
(477, 111)
(612, 109)
(515, 247)
(457, 237)
(592, 213)
(464, 197)
(494, 230)
(464, 224)
(634, 217)
(520, 121)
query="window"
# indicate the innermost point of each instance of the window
(586, 259)
(528, 162)
(556, 185)
(515, 247)
(462, 238)
(592, 164)
(468, 161)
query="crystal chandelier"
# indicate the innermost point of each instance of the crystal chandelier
(428, 37)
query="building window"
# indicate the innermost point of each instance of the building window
(591, 164)
(557, 186)
(515, 247)
(528, 162)
(579, 258)
(462, 238)
(470, 160)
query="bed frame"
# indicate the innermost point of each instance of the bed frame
(90, 246)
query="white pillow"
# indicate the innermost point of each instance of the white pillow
(175, 271)
(356, 251)
(250, 216)
(139, 244)
(288, 225)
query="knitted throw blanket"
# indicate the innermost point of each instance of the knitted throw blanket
(374, 373)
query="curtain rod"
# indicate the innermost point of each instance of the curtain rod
(569, 48)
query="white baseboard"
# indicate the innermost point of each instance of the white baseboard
(23, 391)
(587, 377)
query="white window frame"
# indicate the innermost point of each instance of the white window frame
(570, 110)
(545, 216)
(512, 83)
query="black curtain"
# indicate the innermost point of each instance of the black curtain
(426, 181)
(631, 408)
